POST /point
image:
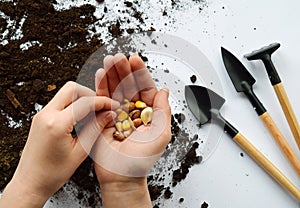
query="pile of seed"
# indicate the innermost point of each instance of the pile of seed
(130, 116)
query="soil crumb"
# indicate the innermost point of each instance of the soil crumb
(193, 78)
(204, 205)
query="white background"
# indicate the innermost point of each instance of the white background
(227, 179)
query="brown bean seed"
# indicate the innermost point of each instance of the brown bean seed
(137, 122)
(129, 106)
(135, 114)
(118, 135)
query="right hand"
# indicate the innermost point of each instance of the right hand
(121, 167)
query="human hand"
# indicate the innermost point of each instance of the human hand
(51, 155)
(121, 167)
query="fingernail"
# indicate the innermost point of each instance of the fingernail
(119, 56)
(100, 71)
(99, 76)
(111, 115)
(114, 104)
(108, 62)
(166, 89)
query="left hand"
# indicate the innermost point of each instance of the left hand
(51, 155)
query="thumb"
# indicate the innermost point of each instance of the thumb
(105, 118)
(91, 132)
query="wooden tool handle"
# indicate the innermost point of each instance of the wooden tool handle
(288, 111)
(281, 141)
(267, 165)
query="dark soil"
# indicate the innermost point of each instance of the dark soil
(190, 159)
(193, 78)
(32, 76)
(180, 117)
(40, 77)
(204, 205)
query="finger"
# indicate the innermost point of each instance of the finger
(143, 78)
(111, 124)
(91, 132)
(70, 92)
(84, 105)
(126, 77)
(109, 120)
(161, 102)
(136, 62)
(112, 78)
(101, 83)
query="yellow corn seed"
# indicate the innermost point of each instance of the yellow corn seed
(146, 115)
(140, 104)
(119, 126)
(126, 125)
(131, 123)
(127, 133)
(122, 116)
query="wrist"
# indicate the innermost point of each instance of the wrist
(19, 195)
(132, 193)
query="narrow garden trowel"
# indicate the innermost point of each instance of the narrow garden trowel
(205, 105)
(243, 81)
(265, 55)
